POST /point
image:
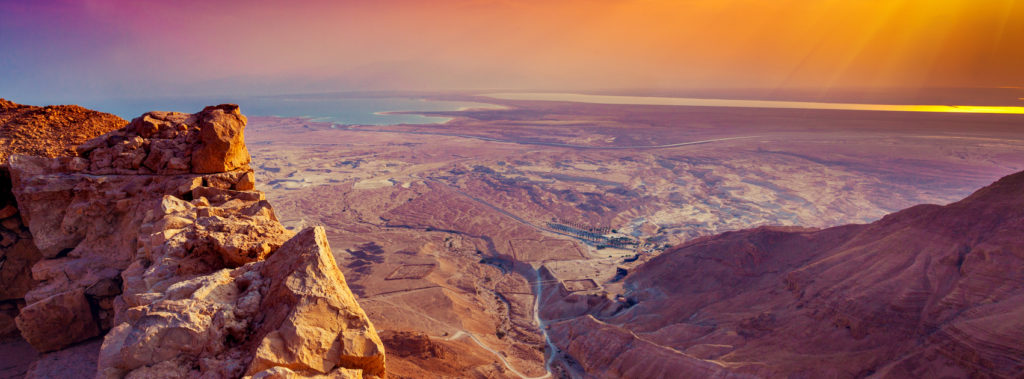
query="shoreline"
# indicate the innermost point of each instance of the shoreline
(737, 103)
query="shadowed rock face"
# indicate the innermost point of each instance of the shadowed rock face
(929, 291)
(154, 233)
(40, 131)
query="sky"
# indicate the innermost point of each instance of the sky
(54, 51)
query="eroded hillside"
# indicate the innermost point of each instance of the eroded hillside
(930, 291)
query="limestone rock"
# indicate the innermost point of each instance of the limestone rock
(170, 143)
(247, 182)
(57, 321)
(39, 203)
(87, 223)
(155, 234)
(311, 321)
(222, 143)
(291, 315)
(18, 253)
(285, 373)
(180, 239)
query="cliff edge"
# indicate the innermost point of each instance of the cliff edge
(49, 131)
(153, 237)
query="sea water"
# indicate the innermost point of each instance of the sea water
(341, 109)
(739, 103)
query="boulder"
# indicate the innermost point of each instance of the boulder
(222, 143)
(68, 312)
(311, 321)
(171, 143)
(291, 315)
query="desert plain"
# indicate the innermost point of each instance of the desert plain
(448, 232)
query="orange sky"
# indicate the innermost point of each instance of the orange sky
(109, 46)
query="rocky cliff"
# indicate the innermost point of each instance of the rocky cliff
(930, 291)
(153, 236)
(39, 131)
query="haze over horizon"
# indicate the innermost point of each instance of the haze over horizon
(68, 51)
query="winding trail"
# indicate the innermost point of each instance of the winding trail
(537, 284)
(463, 333)
(543, 330)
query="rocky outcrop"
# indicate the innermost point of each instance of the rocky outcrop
(208, 142)
(930, 291)
(291, 313)
(155, 233)
(39, 131)
(91, 216)
(222, 145)
(49, 131)
(68, 311)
